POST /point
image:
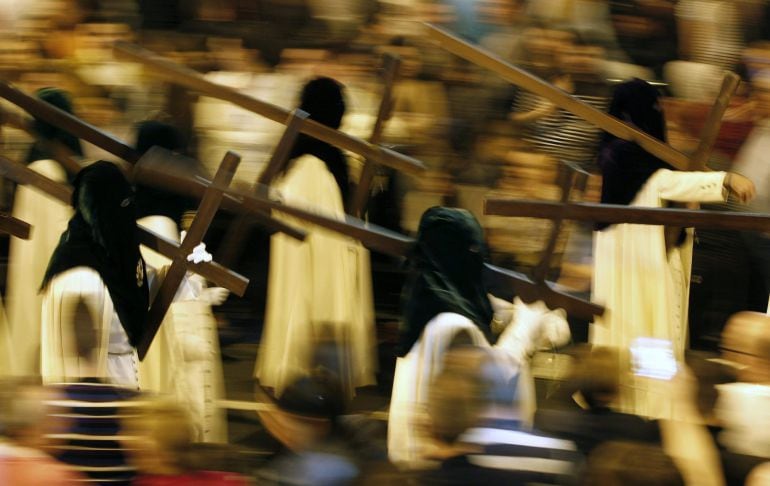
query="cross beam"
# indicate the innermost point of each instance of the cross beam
(174, 73)
(618, 214)
(213, 272)
(112, 145)
(558, 97)
(371, 236)
(14, 226)
(212, 198)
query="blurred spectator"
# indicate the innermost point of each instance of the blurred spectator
(741, 407)
(160, 441)
(23, 425)
(646, 31)
(752, 162)
(53, 142)
(474, 418)
(307, 420)
(589, 419)
(619, 463)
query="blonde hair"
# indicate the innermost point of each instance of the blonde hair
(167, 424)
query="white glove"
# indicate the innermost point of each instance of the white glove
(199, 254)
(214, 295)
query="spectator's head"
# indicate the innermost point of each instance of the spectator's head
(619, 463)
(163, 433)
(51, 133)
(746, 343)
(471, 387)
(306, 412)
(23, 413)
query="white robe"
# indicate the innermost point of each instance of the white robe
(28, 260)
(319, 289)
(644, 289)
(184, 359)
(114, 357)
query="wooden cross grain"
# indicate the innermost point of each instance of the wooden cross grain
(89, 133)
(174, 73)
(210, 202)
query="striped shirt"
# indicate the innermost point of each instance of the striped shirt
(91, 439)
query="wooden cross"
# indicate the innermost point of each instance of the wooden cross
(361, 196)
(599, 212)
(174, 73)
(179, 265)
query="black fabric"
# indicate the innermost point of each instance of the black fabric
(48, 133)
(103, 235)
(151, 201)
(447, 273)
(323, 99)
(625, 166)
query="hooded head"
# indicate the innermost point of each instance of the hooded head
(51, 133)
(324, 100)
(447, 272)
(625, 165)
(151, 133)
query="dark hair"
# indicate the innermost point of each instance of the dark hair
(324, 100)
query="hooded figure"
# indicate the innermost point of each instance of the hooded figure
(323, 99)
(99, 251)
(50, 135)
(643, 282)
(447, 273)
(155, 202)
(447, 306)
(319, 289)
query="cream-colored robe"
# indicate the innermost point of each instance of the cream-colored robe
(318, 290)
(28, 260)
(184, 359)
(644, 289)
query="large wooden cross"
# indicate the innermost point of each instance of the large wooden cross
(596, 212)
(177, 253)
(295, 123)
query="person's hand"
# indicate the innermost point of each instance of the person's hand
(741, 187)
(214, 295)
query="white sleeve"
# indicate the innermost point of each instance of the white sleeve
(683, 186)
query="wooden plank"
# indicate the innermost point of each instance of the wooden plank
(562, 99)
(174, 73)
(619, 214)
(179, 266)
(14, 226)
(710, 130)
(361, 196)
